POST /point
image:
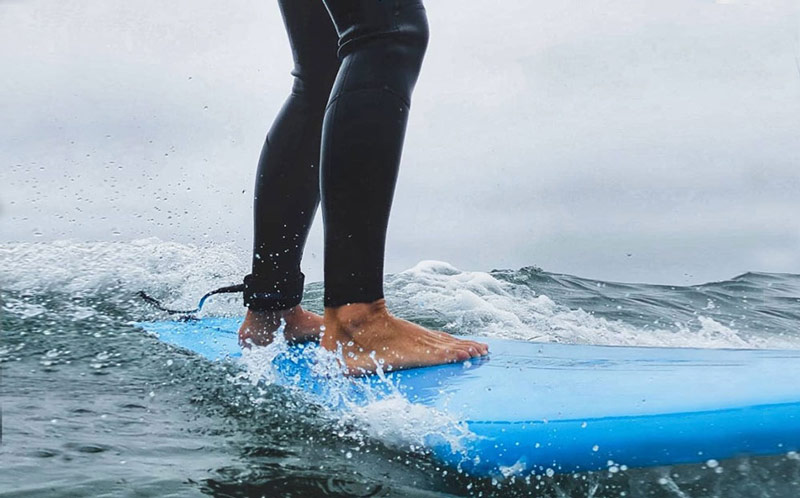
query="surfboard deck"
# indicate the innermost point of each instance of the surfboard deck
(534, 406)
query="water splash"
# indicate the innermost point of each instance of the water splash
(358, 408)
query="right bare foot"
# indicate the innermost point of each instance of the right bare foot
(368, 333)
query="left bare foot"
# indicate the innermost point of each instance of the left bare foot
(259, 327)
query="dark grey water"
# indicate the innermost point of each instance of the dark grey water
(94, 407)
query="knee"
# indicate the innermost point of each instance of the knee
(410, 40)
(386, 56)
(312, 83)
(392, 25)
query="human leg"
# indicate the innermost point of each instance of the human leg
(287, 180)
(381, 47)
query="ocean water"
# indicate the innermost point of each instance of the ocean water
(92, 406)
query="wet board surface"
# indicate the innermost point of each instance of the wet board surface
(535, 406)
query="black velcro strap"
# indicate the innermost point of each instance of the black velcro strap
(269, 295)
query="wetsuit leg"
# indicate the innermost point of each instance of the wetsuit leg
(381, 47)
(287, 182)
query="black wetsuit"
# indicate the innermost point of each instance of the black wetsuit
(338, 137)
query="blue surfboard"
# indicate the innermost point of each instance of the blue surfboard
(533, 407)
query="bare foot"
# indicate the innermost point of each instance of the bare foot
(258, 327)
(368, 333)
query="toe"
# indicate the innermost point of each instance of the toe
(469, 350)
(483, 348)
(476, 347)
(458, 354)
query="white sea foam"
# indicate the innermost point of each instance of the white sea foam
(476, 303)
(22, 309)
(181, 272)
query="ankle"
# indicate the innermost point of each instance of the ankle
(355, 314)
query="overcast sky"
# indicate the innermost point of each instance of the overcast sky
(654, 141)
